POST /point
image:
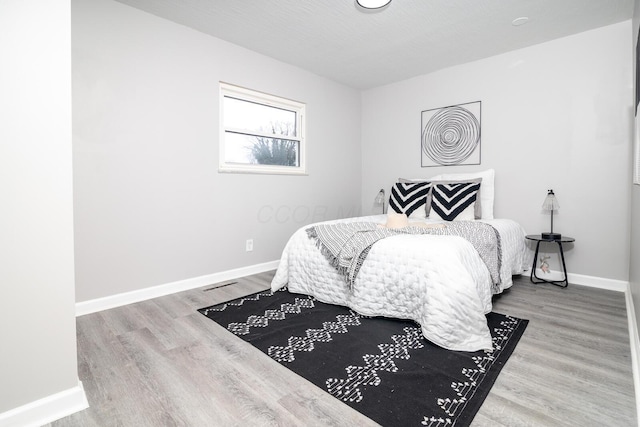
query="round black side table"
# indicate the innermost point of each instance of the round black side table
(539, 239)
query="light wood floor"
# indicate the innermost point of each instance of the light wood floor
(161, 363)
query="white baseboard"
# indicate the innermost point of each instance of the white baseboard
(99, 304)
(112, 301)
(46, 410)
(612, 285)
(634, 340)
(583, 280)
(598, 282)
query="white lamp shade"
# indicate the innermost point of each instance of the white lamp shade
(551, 203)
(379, 201)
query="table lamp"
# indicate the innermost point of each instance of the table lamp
(551, 204)
(380, 200)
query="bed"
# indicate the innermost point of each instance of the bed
(439, 281)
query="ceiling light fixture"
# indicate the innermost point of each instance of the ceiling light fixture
(373, 4)
(520, 21)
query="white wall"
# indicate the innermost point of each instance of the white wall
(555, 115)
(150, 206)
(37, 311)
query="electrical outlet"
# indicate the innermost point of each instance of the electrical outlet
(249, 245)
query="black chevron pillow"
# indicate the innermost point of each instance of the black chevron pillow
(454, 201)
(410, 198)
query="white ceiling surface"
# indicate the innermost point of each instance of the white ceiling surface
(365, 49)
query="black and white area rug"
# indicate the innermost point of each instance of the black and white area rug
(383, 368)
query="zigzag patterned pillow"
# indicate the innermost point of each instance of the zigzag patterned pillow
(410, 198)
(454, 201)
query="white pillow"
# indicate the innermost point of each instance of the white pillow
(487, 190)
(396, 220)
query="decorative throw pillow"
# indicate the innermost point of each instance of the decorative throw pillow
(410, 198)
(477, 211)
(454, 201)
(487, 192)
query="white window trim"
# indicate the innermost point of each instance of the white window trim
(266, 99)
(636, 151)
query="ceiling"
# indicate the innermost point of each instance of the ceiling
(363, 49)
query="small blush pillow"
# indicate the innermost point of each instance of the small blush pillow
(396, 220)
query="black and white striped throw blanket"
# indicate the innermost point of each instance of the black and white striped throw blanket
(346, 245)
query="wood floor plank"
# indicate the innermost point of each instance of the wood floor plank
(161, 363)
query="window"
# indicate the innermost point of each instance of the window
(260, 133)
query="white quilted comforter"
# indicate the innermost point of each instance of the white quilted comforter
(438, 281)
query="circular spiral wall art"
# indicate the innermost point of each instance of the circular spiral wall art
(451, 135)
